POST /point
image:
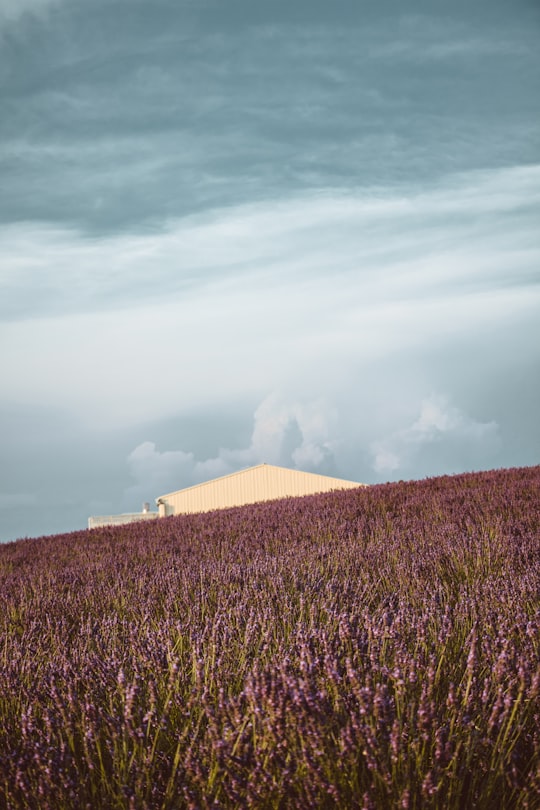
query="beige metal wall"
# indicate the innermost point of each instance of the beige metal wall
(263, 483)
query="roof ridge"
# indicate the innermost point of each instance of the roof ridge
(247, 469)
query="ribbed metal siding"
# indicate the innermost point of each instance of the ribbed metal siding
(263, 483)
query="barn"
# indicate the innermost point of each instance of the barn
(264, 482)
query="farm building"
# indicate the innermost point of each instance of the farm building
(265, 482)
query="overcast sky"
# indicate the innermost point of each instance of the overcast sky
(305, 233)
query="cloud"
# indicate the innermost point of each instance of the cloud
(462, 232)
(291, 295)
(13, 10)
(134, 124)
(318, 436)
(296, 434)
(442, 439)
(422, 39)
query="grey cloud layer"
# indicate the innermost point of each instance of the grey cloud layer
(331, 284)
(476, 232)
(12, 10)
(153, 115)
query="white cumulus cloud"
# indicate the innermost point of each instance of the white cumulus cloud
(292, 434)
(442, 438)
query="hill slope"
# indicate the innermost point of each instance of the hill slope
(369, 648)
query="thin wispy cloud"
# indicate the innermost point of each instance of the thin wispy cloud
(464, 233)
(326, 280)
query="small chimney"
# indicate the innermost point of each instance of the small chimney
(145, 507)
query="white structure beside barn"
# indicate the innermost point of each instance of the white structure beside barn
(119, 520)
(265, 482)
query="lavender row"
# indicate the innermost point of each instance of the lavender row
(374, 648)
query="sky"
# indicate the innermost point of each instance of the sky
(249, 231)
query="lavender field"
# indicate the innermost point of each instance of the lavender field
(373, 648)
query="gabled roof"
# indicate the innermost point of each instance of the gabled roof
(252, 484)
(249, 470)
